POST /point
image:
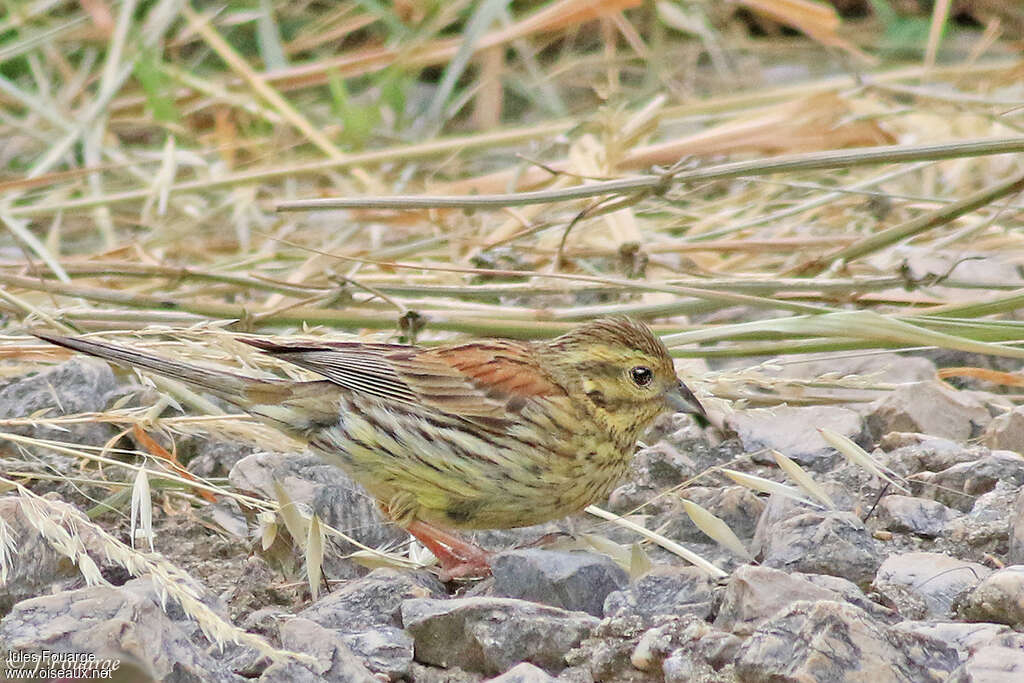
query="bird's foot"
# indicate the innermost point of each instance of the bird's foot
(459, 559)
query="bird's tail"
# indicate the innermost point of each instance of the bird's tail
(245, 392)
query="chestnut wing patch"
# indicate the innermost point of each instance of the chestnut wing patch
(485, 379)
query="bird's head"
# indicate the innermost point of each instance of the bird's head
(622, 371)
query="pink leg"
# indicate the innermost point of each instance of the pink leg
(459, 558)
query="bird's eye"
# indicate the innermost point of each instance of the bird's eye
(641, 376)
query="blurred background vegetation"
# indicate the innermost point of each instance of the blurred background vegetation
(147, 146)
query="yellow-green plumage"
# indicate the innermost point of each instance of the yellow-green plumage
(488, 434)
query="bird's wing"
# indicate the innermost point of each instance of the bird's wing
(485, 379)
(471, 380)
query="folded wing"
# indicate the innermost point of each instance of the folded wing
(475, 380)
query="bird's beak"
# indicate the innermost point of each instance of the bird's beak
(680, 399)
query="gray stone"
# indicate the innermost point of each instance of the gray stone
(737, 506)
(374, 600)
(121, 623)
(661, 466)
(754, 594)
(965, 638)
(998, 598)
(334, 661)
(926, 585)
(81, 385)
(908, 453)
(491, 635)
(1016, 550)
(684, 649)
(385, 650)
(665, 589)
(986, 528)
(929, 408)
(891, 368)
(815, 542)
(1006, 431)
(927, 518)
(524, 673)
(287, 672)
(794, 431)
(959, 485)
(839, 643)
(574, 581)
(340, 502)
(366, 613)
(34, 565)
(216, 458)
(992, 664)
(606, 654)
(431, 674)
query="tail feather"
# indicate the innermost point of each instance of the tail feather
(243, 391)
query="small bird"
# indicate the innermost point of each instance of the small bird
(490, 434)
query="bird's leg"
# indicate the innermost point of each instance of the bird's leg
(459, 558)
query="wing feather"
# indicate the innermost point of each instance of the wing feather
(471, 380)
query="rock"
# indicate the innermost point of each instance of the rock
(226, 514)
(737, 506)
(1006, 431)
(265, 621)
(34, 565)
(986, 528)
(1016, 550)
(684, 649)
(959, 485)
(340, 502)
(754, 594)
(892, 368)
(830, 542)
(919, 516)
(385, 650)
(661, 466)
(998, 598)
(376, 599)
(926, 585)
(366, 613)
(794, 431)
(490, 635)
(991, 664)
(288, 672)
(81, 385)
(216, 458)
(838, 642)
(665, 589)
(257, 588)
(524, 673)
(574, 581)
(929, 408)
(114, 623)
(965, 638)
(78, 386)
(909, 453)
(431, 674)
(676, 457)
(605, 654)
(334, 661)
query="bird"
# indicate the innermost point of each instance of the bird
(483, 434)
